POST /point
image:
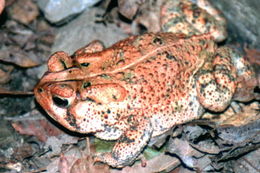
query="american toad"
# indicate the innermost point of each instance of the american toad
(139, 88)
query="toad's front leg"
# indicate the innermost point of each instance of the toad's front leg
(129, 145)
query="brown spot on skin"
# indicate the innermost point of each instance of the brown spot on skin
(170, 56)
(158, 41)
(71, 120)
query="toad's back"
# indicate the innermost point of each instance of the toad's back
(159, 77)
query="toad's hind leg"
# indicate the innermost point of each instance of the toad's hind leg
(129, 145)
(216, 81)
(193, 18)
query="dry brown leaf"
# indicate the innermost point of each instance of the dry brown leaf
(206, 147)
(17, 56)
(128, 8)
(64, 166)
(253, 55)
(248, 114)
(64, 162)
(24, 151)
(4, 77)
(160, 163)
(39, 128)
(149, 16)
(142, 13)
(15, 166)
(74, 162)
(23, 46)
(86, 164)
(150, 20)
(24, 11)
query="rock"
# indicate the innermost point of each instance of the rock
(57, 11)
(243, 19)
(85, 29)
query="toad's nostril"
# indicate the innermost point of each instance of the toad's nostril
(63, 103)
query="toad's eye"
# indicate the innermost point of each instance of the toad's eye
(60, 102)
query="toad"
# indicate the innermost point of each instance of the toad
(140, 88)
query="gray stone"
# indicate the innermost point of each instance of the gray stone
(58, 10)
(243, 19)
(83, 30)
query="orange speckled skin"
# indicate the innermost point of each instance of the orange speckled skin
(140, 88)
(183, 16)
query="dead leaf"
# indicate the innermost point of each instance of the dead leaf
(24, 11)
(144, 14)
(22, 46)
(65, 161)
(248, 163)
(15, 166)
(39, 128)
(160, 163)
(239, 135)
(206, 146)
(253, 55)
(249, 113)
(184, 151)
(4, 77)
(76, 161)
(64, 166)
(55, 143)
(16, 55)
(24, 151)
(245, 90)
(86, 164)
(128, 8)
(149, 16)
